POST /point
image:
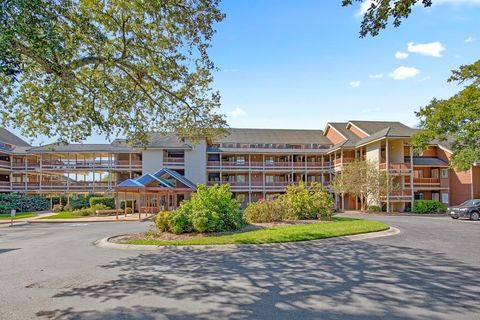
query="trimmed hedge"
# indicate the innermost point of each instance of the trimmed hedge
(22, 203)
(428, 206)
(106, 201)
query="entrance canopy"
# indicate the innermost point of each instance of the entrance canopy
(162, 190)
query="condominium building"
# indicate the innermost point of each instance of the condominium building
(257, 163)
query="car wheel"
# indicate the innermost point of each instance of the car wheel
(455, 218)
(475, 216)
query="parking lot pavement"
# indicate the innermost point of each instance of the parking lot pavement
(428, 271)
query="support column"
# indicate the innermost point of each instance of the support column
(411, 176)
(387, 164)
(117, 206)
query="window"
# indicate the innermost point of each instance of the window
(240, 178)
(241, 160)
(434, 173)
(436, 196)
(445, 198)
(269, 179)
(444, 173)
(269, 160)
(418, 173)
(419, 196)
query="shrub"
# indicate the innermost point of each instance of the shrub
(129, 210)
(428, 206)
(264, 211)
(23, 203)
(211, 209)
(302, 203)
(57, 207)
(79, 203)
(69, 207)
(374, 209)
(90, 211)
(161, 220)
(107, 201)
(4, 208)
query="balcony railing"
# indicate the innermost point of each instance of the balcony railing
(62, 186)
(69, 164)
(400, 194)
(5, 164)
(426, 182)
(395, 167)
(174, 161)
(266, 165)
(341, 161)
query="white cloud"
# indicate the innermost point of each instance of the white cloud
(402, 73)
(364, 6)
(237, 112)
(433, 49)
(355, 84)
(470, 39)
(401, 55)
(376, 76)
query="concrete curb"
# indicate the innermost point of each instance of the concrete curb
(106, 243)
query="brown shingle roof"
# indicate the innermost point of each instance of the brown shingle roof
(10, 138)
(281, 136)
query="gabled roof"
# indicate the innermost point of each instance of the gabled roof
(371, 127)
(175, 175)
(146, 179)
(341, 127)
(279, 136)
(80, 147)
(10, 138)
(159, 140)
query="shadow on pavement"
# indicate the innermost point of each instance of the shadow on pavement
(331, 280)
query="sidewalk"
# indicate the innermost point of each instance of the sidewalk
(121, 217)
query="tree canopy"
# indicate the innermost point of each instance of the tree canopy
(455, 120)
(69, 68)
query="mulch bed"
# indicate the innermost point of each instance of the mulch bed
(153, 234)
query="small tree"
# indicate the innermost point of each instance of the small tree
(363, 179)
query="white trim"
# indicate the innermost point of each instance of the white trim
(330, 126)
(361, 130)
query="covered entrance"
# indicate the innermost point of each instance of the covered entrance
(151, 193)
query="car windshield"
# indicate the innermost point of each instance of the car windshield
(470, 203)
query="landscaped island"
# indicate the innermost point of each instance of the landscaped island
(213, 216)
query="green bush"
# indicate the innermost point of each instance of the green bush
(264, 211)
(128, 210)
(69, 207)
(129, 204)
(374, 209)
(90, 211)
(297, 203)
(79, 202)
(22, 203)
(212, 209)
(107, 201)
(161, 220)
(428, 206)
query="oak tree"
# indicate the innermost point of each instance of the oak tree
(69, 68)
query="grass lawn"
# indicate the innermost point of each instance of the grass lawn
(64, 215)
(18, 216)
(336, 228)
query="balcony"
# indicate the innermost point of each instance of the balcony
(174, 161)
(5, 185)
(345, 160)
(256, 165)
(404, 194)
(397, 168)
(5, 164)
(426, 182)
(79, 186)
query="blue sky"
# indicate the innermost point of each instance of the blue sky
(299, 64)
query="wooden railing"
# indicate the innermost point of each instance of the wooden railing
(4, 164)
(341, 161)
(267, 165)
(62, 185)
(174, 161)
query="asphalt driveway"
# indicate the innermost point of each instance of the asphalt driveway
(429, 271)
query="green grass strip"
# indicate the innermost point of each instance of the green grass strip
(64, 215)
(18, 216)
(305, 232)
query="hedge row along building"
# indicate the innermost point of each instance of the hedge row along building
(257, 163)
